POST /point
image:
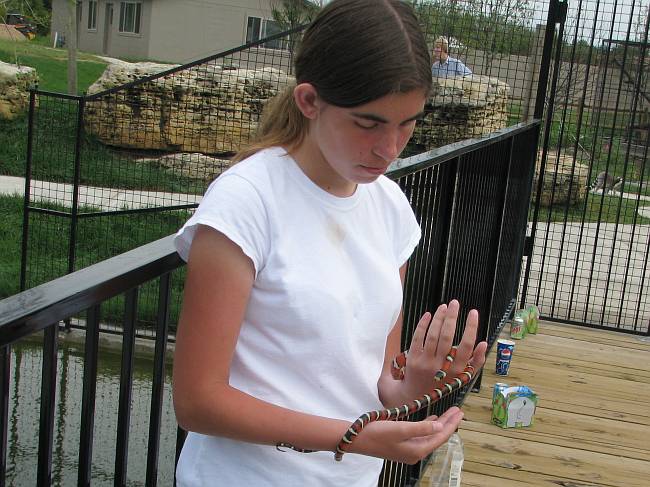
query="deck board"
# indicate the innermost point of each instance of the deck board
(592, 425)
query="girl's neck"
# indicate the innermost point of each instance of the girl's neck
(314, 165)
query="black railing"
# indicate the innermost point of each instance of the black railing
(471, 200)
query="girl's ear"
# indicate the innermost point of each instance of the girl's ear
(306, 98)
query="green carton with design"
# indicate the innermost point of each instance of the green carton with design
(514, 407)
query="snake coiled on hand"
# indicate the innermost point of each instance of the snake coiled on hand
(445, 386)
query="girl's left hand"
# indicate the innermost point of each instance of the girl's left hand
(430, 345)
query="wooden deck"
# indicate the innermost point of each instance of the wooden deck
(592, 425)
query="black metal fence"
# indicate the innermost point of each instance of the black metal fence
(123, 164)
(591, 217)
(472, 245)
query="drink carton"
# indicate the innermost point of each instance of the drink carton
(514, 407)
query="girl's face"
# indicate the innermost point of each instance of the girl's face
(349, 146)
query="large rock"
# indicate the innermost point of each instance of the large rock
(207, 108)
(191, 164)
(15, 82)
(462, 108)
(564, 182)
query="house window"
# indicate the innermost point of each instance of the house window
(259, 28)
(254, 29)
(130, 17)
(92, 15)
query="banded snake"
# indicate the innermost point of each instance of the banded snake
(447, 386)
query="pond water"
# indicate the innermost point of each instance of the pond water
(24, 410)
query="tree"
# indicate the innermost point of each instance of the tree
(289, 14)
(641, 23)
(499, 23)
(293, 13)
(71, 42)
(491, 26)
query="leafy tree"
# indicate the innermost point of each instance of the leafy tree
(293, 13)
(289, 14)
(641, 23)
(494, 26)
(498, 24)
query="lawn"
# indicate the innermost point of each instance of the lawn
(11, 223)
(52, 160)
(48, 245)
(52, 64)
(55, 127)
(606, 209)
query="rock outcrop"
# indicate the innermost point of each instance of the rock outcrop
(564, 183)
(206, 109)
(191, 164)
(461, 108)
(15, 82)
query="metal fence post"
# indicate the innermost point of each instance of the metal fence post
(28, 177)
(556, 14)
(74, 215)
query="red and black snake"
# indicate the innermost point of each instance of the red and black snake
(447, 386)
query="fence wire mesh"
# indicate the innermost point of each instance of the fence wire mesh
(126, 163)
(591, 223)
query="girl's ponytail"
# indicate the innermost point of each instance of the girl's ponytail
(282, 124)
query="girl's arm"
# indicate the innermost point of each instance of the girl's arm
(218, 285)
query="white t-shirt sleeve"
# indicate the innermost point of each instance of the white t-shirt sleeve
(409, 234)
(405, 227)
(233, 207)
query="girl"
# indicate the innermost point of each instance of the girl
(296, 259)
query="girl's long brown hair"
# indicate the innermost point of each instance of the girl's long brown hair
(354, 52)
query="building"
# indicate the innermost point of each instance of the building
(165, 30)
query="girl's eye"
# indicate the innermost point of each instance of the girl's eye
(367, 127)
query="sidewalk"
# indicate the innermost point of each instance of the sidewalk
(109, 199)
(104, 199)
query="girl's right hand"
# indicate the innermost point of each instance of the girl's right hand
(406, 441)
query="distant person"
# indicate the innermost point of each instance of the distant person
(445, 66)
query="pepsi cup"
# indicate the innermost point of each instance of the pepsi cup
(505, 348)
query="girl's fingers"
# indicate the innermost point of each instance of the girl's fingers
(478, 357)
(417, 341)
(448, 329)
(433, 425)
(433, 335)
(466, 345)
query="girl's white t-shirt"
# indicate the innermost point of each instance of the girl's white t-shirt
(326, 294)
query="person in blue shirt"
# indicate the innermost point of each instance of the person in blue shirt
(445, 66)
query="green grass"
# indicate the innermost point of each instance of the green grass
(11, 223)
(635, 189)
(13, 146)
(55, 129)
(606, 209)
(51, 64)
(514, 114)
(53, 156)
(48, 249)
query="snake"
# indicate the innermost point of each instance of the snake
(445, 386)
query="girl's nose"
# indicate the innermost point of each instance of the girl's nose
(387, 146)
